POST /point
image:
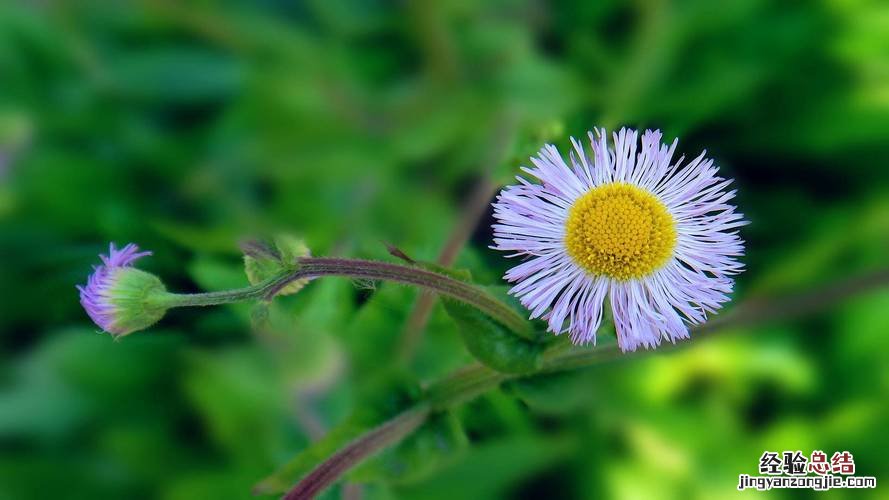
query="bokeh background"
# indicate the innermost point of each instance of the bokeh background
(186, 126)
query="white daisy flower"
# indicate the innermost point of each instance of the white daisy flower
(659, 239)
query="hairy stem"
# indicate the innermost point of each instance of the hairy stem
(315, 267)
(375, 440)
(258, 291)
(410, 275)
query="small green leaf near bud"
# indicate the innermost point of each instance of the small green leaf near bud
(290, 248)
(274, 260)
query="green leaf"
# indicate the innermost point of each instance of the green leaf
(492, 343)
(262, 261)
(291, 248)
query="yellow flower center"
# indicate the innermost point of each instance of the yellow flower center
(621, 231)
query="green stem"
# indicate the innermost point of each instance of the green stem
(412, 275)
(366, 269)
(257, 291)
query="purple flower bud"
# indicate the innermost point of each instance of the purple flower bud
(120, 298)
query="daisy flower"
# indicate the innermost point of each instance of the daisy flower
(119, 298)
(655, 239)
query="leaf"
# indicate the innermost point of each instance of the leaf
(492, 343)
(270, 262)
(291, 248)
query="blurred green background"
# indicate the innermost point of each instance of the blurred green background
(186, 126)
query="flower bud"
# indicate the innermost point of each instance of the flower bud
(263, 261)
(121, 299)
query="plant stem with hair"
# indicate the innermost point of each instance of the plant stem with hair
(315, 267)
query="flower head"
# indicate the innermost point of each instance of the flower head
(658, 238)
(119, 298)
